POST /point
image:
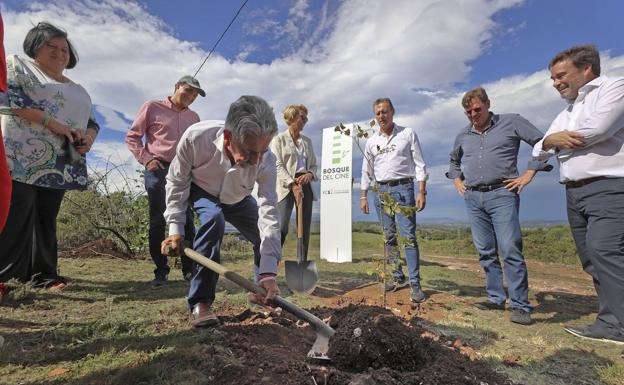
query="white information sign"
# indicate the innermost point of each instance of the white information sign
(336, 181)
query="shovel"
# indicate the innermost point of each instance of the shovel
(301, 276)
(323, 331)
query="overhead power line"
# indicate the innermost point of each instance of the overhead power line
(221, 37)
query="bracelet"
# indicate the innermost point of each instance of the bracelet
(46, 119)
(362, 198)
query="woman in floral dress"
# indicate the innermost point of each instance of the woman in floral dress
(47, 128)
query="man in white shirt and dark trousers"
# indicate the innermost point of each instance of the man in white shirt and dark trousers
(587, 138)
(392, 160)
(214, 171)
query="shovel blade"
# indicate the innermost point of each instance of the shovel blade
(320, 348)
(301, 277)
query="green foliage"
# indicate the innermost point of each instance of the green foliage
(552, 244)
(107, 209)
(89, 215)
(236, 247)
(547, 244)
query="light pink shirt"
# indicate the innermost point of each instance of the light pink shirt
(163, 126)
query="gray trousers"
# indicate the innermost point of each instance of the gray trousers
(596, 216)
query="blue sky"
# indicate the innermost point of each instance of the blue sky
(336, 57)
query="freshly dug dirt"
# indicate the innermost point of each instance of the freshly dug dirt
(371, 347)
(97, 249)
(375, 347)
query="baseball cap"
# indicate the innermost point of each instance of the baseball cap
(191, 81)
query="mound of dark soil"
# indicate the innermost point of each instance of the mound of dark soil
(371, 347)
(97, 249)
(372, 337)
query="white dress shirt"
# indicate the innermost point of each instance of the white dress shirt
(392, 157)
(201, 159)
(598, 113)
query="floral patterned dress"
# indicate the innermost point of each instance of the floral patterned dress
(36, 155)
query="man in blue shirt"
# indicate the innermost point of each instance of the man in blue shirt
(483, 167)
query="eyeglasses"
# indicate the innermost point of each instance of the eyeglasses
(304, 118)
(251, 154)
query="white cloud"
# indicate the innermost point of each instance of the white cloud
(113, 120)
(414, 52)
(113, 161)
(128, 55)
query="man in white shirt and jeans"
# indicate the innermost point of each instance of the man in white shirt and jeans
(214, 171)
(587, 138)
(392, 160)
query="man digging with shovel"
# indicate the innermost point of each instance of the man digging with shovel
(214, 171)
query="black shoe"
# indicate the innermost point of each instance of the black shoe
(159, 281)
(487, 305)
(595, 334)
(521, 317)
(417, 294)
(396, 285)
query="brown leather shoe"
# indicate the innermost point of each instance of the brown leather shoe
(202, 316)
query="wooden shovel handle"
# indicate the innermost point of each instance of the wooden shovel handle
(318, 325)
(300, 220)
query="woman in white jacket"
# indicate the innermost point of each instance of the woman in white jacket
(296, 169)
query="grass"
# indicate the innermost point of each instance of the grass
(110, 327)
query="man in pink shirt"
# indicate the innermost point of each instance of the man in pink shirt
(162, 123)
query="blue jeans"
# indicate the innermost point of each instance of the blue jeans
(495, 225)
(212, 216)
(404, 195)
(155, 187)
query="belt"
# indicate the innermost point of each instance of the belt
(583, 182)
(396, 182)
(485, 187)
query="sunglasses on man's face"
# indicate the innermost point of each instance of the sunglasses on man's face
(475, 110)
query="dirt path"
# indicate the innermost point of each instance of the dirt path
(445, 340)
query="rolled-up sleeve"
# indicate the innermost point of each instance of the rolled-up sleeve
(527, 132)
(538, 148)
(419, 160)
(456, 154)
(178, 185)
(268, 223)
